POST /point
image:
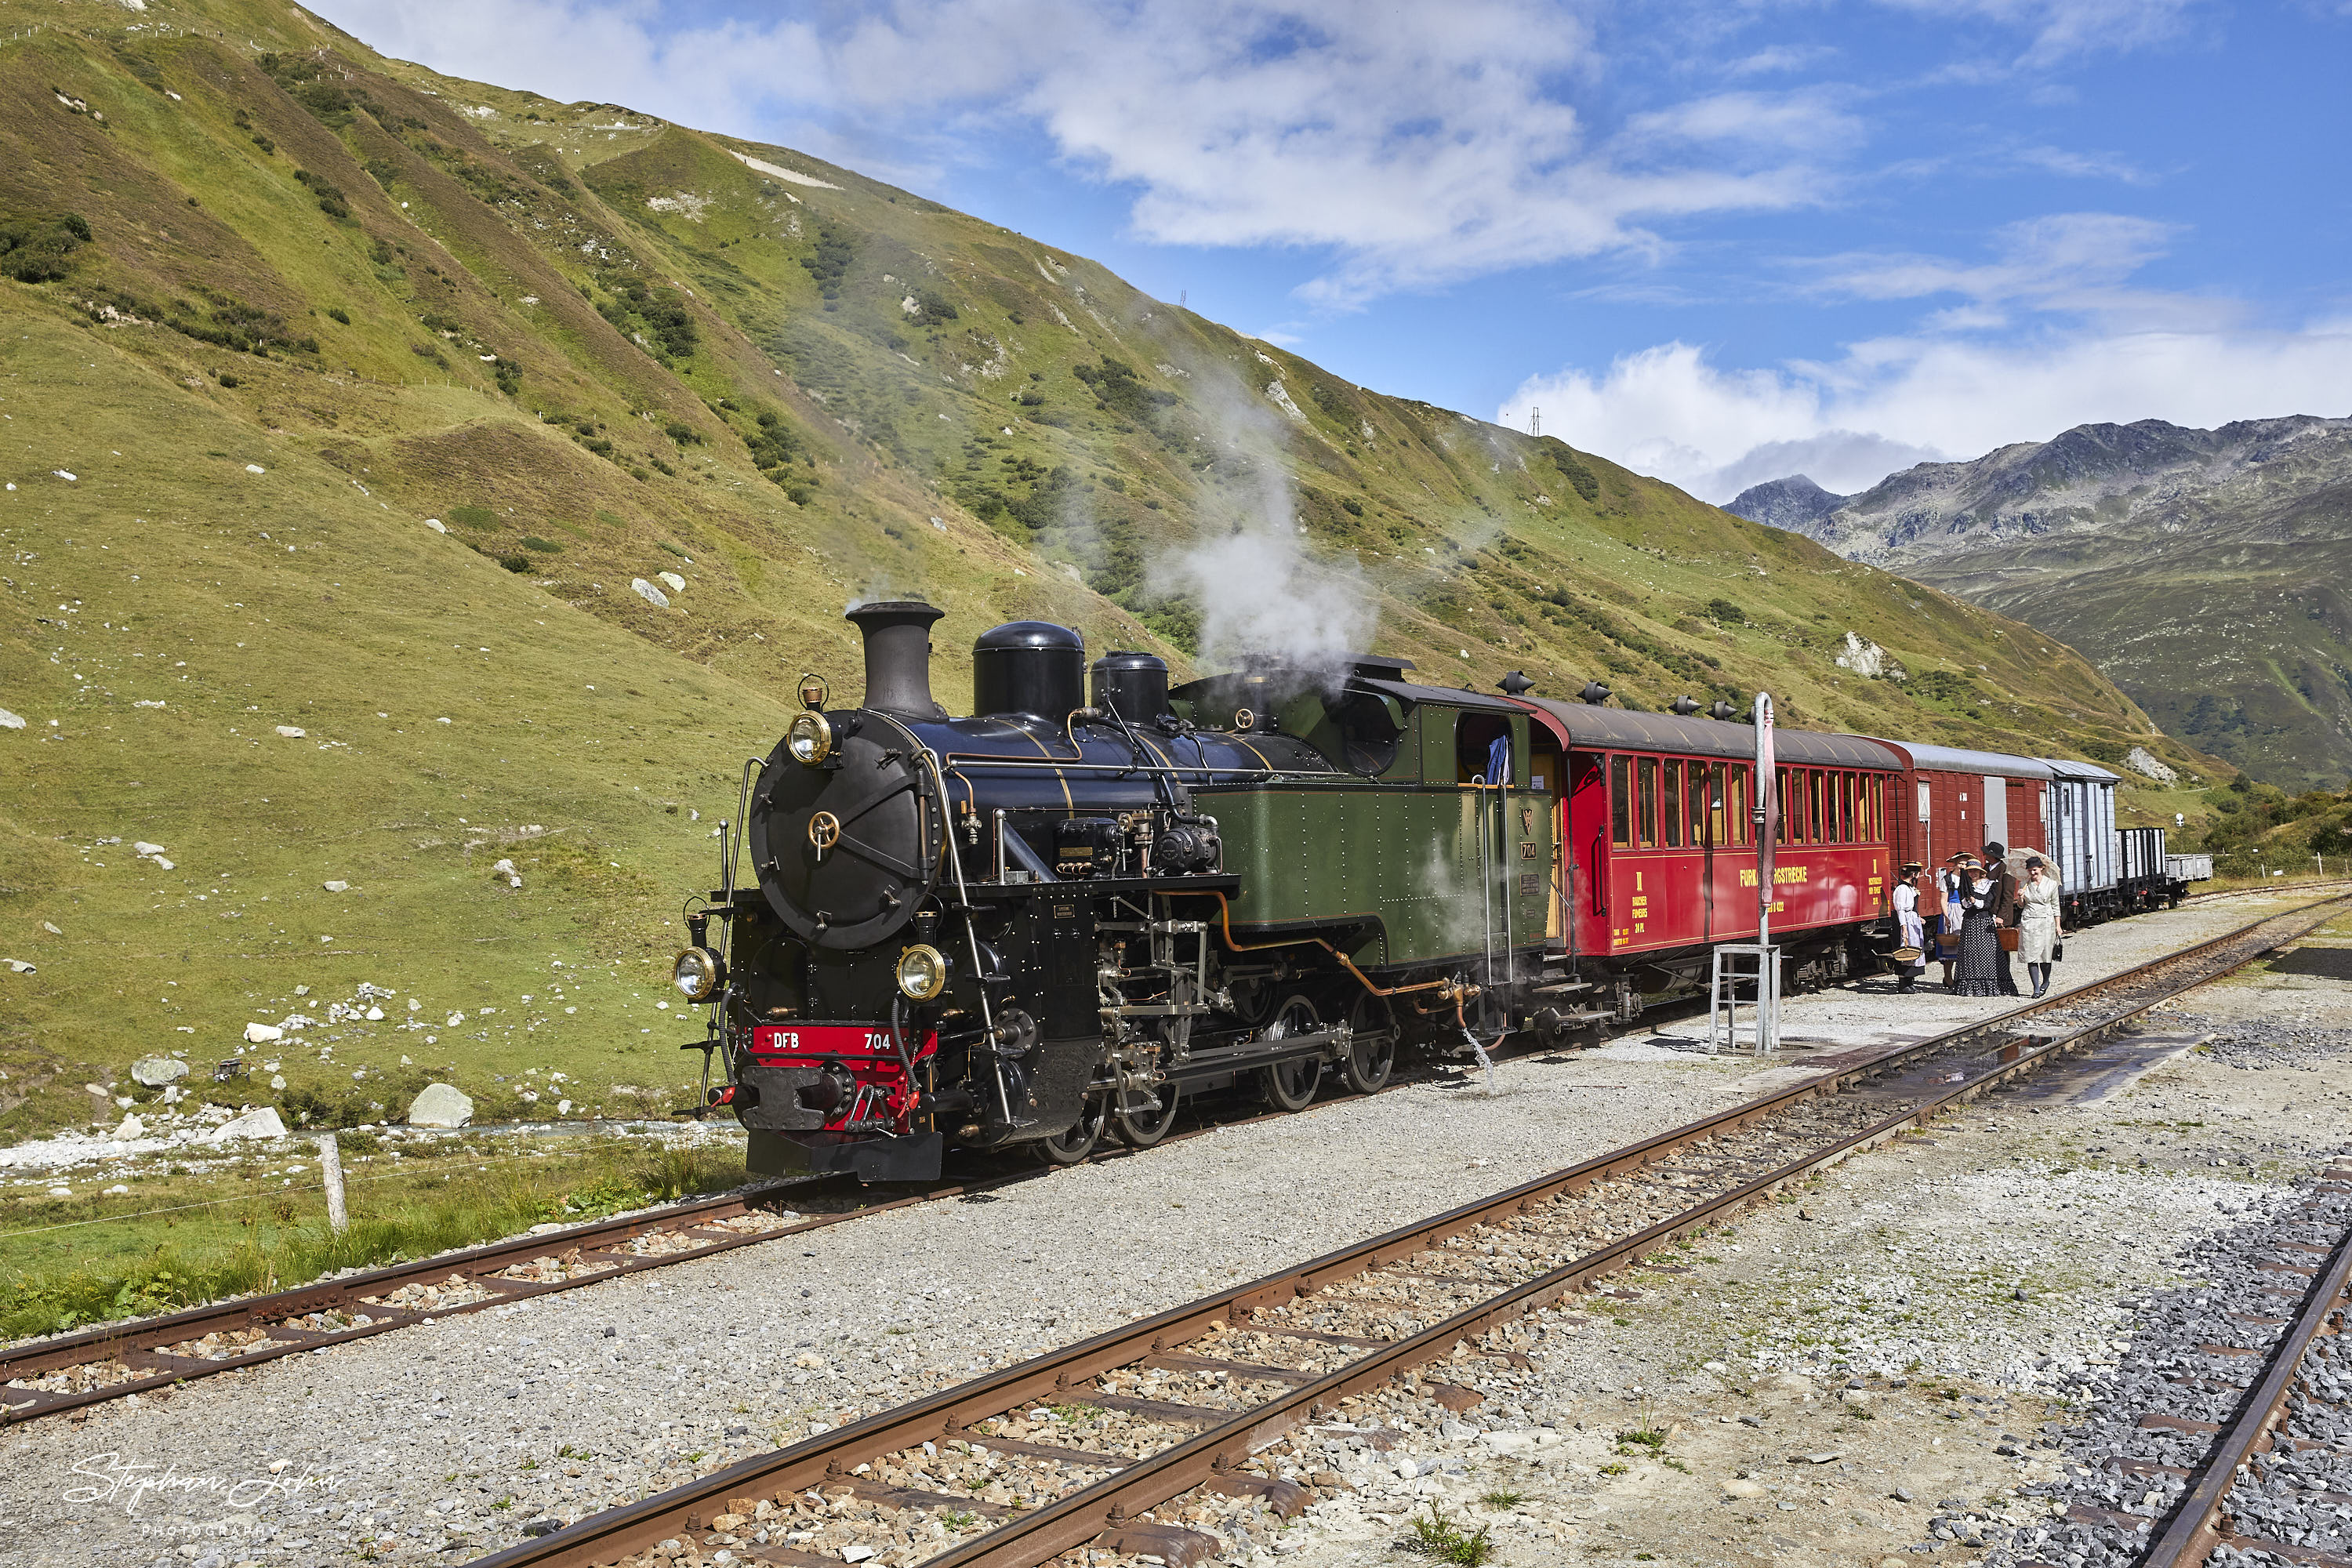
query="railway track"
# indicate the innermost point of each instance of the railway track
(1122, 1442)
(2211, 1509)
(51, 1377)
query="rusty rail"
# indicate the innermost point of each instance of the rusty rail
(2196, 1526)
(1104, 1511)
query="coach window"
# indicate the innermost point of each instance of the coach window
(1649, 770)
(1736, 809)
(1846, 835)
(1673, 810)
(1706, 785)
(1819, 787)
(1621, 802)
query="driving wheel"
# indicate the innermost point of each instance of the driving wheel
(1142, 1129)
(1071, 1147)
(1291, 1085)
(1372, 1051)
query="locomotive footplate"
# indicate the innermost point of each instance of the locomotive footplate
(912, 1158)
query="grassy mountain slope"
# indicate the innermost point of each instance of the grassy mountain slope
(594, 347)
(2199, 568)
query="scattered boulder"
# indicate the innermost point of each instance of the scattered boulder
(676, 584)
(440, 1105)
(2142, 761)
(11, 721)
(337, 886)
(262, 1034)
(292, 732)
(1866, 659)
(131, 1127)
(648, 593)
(436, 525)
(1737, 1488)
(261, 1123)
(157, 1071)
(506, 868)
(18, 965)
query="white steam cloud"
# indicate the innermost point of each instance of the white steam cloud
(1260, 589)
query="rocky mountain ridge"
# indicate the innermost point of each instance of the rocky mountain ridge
(2199, 568)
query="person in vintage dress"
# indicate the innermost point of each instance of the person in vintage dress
(2037, 923)
(1953, 884)
(2003, 905)
(1980, 954)
(1910, 928)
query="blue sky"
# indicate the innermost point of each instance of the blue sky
(1717, 242)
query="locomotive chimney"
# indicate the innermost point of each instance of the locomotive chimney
(897, 633)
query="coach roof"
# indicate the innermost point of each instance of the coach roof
(1619, 729)
(2068, 768)
(1954, 760)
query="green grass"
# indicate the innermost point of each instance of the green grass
(1437, 1536)
(587, 727)
(141, 1265)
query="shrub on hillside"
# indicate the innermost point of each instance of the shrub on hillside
(40, 249)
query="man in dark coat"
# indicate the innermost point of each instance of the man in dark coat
(2002, 906)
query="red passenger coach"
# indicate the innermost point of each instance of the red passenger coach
(1659, 851)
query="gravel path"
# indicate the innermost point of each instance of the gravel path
(453, 1437)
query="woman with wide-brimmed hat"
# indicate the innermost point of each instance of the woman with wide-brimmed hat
(1979, 965)
(2038, 922)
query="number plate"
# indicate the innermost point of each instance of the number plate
(846, 1040)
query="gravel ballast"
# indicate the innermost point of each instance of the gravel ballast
(458, 1435)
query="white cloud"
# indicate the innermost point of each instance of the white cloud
(1417, 145)
(1893, 401)
(2062, 29)
(2067, 260)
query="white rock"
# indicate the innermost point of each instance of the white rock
(162, 863)
(157, 1071)
(143, 847)
(278, 1080)
(676, 584)
(11, 721)
(454, 1020)
(2141, 760)
(255, 468)
(131, 1128)
(337, 886)
(436, 524)
(261, 1123)
(855, 1554)
(648, 593)
(292, 732)
(64, 475)
(18, 965)
(374, 1015)
(440, 1105)
(262, 1034)
(1742, 1488)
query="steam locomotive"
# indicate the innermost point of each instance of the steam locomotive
(1050, 920)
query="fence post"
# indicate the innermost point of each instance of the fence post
(331, 1166)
